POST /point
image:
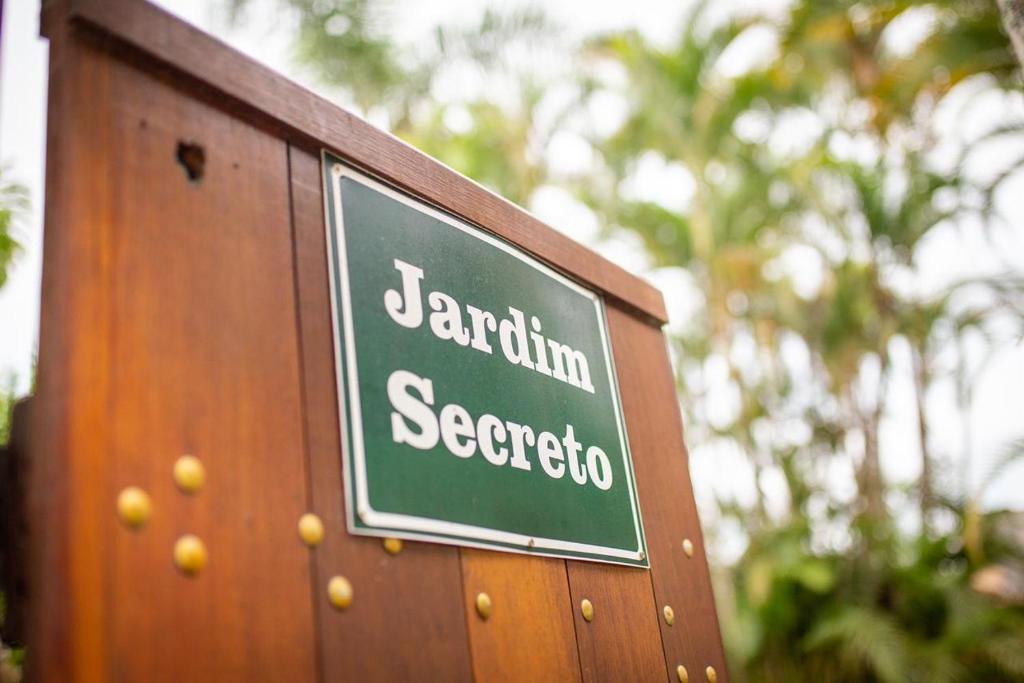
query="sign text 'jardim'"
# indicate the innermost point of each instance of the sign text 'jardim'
(478, 399)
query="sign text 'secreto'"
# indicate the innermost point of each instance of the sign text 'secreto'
(478, 398)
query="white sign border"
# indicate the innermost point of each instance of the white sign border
(421, 528)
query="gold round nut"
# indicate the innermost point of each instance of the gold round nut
(711, 674)
(688, 547)
(339, 592)
(189, 473)
(190, 554)
(483, 605)
(393, 546)
(587, 609)
(311, 529)
(134, 507)
(670, 614)
(682, 674)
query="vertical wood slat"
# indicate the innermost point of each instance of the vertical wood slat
(64, 312)
(529, 635)
(155, 348)
(406, 620)
(622, 642)
(205, 362)
(666, 496)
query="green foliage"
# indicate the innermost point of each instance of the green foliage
(863, 643)
(347, 45)
(345, 40)
(493, 151)
(13, 202)
(7, 399)
(11, 660)
(902, 610)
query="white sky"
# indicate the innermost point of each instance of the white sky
(997, 414)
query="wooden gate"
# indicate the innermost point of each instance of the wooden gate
(192, 315)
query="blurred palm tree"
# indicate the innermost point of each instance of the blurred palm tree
(735, 221)
(819, 596)
(832, 56)
(350, 47)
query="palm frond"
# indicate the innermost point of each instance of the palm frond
(864, 640)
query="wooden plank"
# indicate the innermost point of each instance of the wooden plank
(622, 641)
(666, 495)
(529, 635)
(406, 620)
(170, 327)
(315, 122)
(65, 624)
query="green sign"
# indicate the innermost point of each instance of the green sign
(478, 399)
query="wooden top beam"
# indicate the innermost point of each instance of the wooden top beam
(313, 122)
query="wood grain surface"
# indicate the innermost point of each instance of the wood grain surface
(193, 316)
(182, 339)
(66, 623)
(622, 641)
(529, 635)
